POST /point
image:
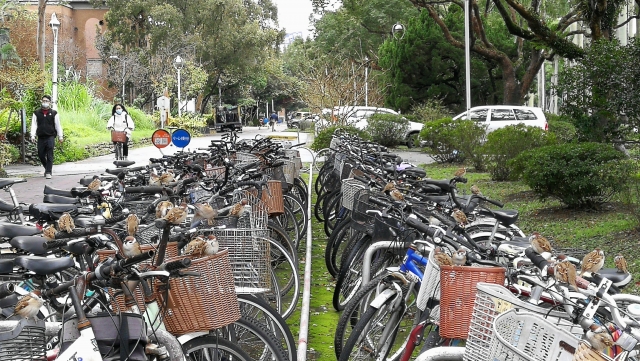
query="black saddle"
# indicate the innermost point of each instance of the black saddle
(80, 192)
(5, 182)
(86, 180)
(51, 211)
(43, 265)
(52, 198)
(116, 171)
(6, 266)
(442, 184)
(437, 199)
(8, 230)
(78, 248)
(619, 279)
(505, 216)
(89, 222)
(123, 163)
(59, 192)
(30, 244)
(414, 172)
(6, 207)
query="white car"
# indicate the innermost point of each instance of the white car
(499, 116)
(358, 116)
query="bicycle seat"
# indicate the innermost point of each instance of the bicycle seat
(123, 163)
(619, 279)
(49, 211)
(30, 244)
(437, 199)
(89, 222)
(414, 172)
(43, 265)
(59, 192)
(442, 184)
(505, 216)
(115, 171)
(80, 192)
(8, 230)
(78, 248)
(5, 207)
(5, 182)
(52, 198)
(6, 266)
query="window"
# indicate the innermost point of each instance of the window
(524, 114)
(478, 115)
(502, 114)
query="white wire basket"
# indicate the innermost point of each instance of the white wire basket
(349, 189)
(259, 214)
(245, 158)
(430, 286)
(528, 337)
(290, 171)
(335, 142)
(493, 300)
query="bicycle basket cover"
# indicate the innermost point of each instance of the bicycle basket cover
(107, 328)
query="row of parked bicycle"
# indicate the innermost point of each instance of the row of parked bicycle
(425, 273)
(194, 256)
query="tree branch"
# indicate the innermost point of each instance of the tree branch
(513, 28)
(627, 21)
(479, 26)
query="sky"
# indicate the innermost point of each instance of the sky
(293, 15)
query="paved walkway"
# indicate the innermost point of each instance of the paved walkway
(67, 175)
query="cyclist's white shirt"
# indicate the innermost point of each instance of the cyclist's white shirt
(121, 123)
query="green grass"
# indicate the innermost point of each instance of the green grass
(613, 229)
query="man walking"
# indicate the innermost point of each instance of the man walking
(45, 124)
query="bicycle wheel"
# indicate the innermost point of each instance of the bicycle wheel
(339, 237)
(119, 151)
(321, 158)
(288, 222)
(256, 340)
(353, 311)
(288, 280)
(255, 307)
(350, 277)
(212, 348)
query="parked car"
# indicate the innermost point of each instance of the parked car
(499, 116)
(358, 117)
(300, 116)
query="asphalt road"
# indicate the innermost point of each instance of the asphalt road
(67, 175)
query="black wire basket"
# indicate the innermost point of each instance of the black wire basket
(25, 342)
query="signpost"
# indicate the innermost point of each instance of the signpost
(161, 138)
(181, 138)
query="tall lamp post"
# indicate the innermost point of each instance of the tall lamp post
(467, 52)
(124, 64)
(55, 26)
(178, 63)
(366, 81)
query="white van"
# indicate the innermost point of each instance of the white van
(499, 116)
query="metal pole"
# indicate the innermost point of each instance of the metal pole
(467, 52)
(366, 85)
(179, 109)
(303, 339)
(54, 77)
(219, 95)
(541, 88)
(123, 75)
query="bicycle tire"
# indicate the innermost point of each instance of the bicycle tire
(261, 345)
(367, 325)
(288, 222)
(292, 294)
(335, 240)
(353, 311)
(350, 277)
(260, 310)
(300, 213)
(213, 348)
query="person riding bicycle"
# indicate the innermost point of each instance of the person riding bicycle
(273, 119)
(121, 121)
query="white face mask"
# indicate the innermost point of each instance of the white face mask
(45, 105)
(118, 111)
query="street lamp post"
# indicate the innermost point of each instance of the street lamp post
(178, 63)
(366, 81)
(467, 53)
(124, 64)
(55, 26)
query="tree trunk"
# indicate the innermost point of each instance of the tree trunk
(40, 35)
(512, 89)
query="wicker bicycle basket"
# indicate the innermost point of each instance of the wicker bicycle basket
(202, 303)
(586, 353)
(118, 137)
(457, 294)
(273, 199)
(528, 337)
(25, 342)
(118, 302)
(493, 300)
(349, 189)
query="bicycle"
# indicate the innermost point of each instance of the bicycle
(119, 139)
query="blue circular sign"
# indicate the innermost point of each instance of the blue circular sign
(180, 138)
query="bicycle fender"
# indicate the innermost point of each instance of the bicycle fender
(383, 297)
(190, 336)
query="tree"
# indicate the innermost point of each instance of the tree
(603, 101)
(226, 38)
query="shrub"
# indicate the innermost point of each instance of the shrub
(193, 123)
(388, 130)
(9, 153)
(451, 141)
(578, 174)
(431, 110)
(68, 151)
(323, 139)
(630, 195)
(563, 128)
(505, 144)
